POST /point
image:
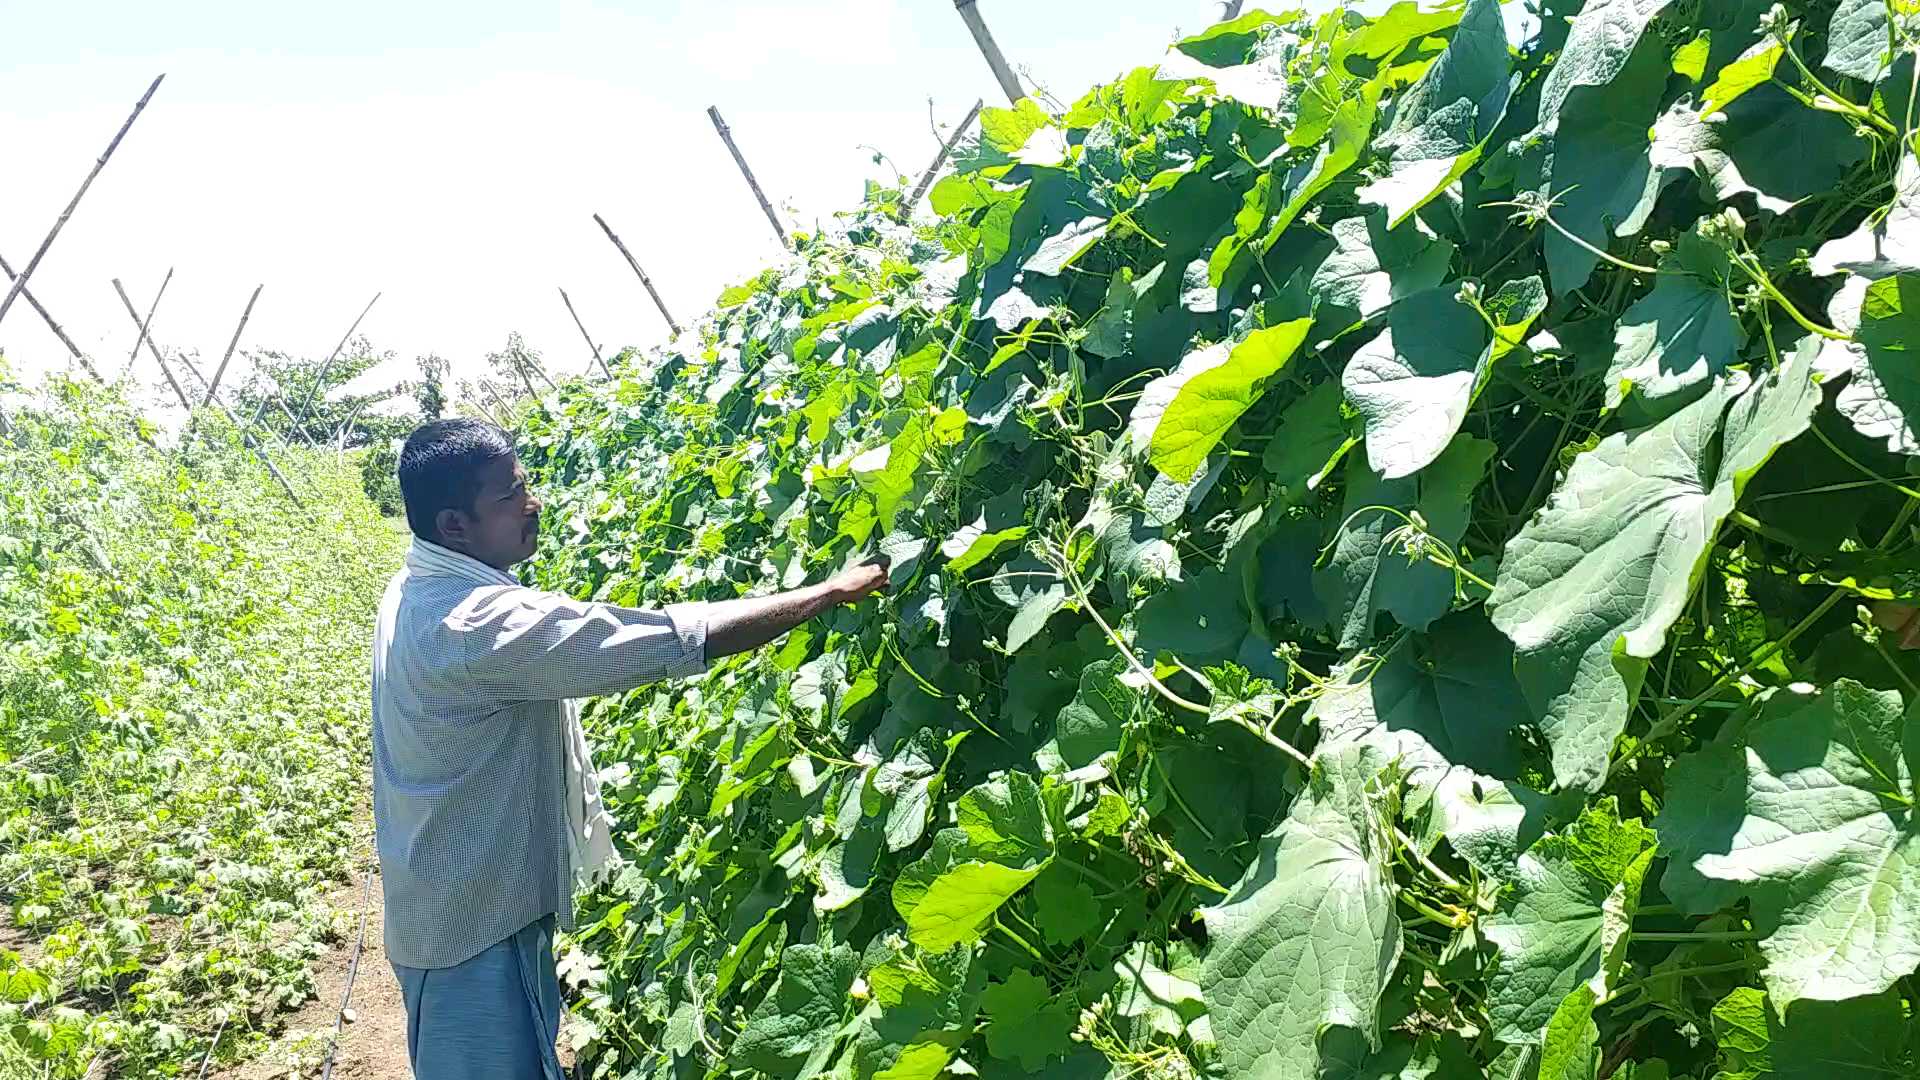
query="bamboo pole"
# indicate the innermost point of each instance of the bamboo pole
(320, 380)
(146, 324)
(946, 151)
(597, 358)
(54, 326)
(340, 436)
(726, 136)
(506, 413)
(514, 357)
(486, 414)
(148, 342)
(246, 437)
(644, 279)
(193, 416)
(293, 422)
(1009, 82)
(260, 410)
(20, 282)
(221, 371)
(524, 357)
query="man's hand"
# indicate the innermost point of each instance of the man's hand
(855, 585)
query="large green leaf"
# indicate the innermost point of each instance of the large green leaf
(1312, 438)
(1572, 1047)
(1679, 337)
(1214, 396)
(1602, 178)
(1349, 126)
(1027, 1022)
(1751, 69)
(1203, 619)
(949, 899)
(1087, 731)
(1365, 575)
(1589, 588)
(1883, 397)
(1373, 266)
(1562, 925)
(1443, 122)
(1308, 937)
(803, 1008)
(1489, 823)
(1005, 818)
(949, 896)
(1414, 383)
(1863, 1039)
(1599, 43)
(1814, 804)
(1860, 40)
(1765, 144)
(1450, 703)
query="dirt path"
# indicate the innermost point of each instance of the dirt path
(373, 1044)
(373, 1041)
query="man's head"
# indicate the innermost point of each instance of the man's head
(467, 492)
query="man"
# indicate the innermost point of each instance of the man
(486, 811)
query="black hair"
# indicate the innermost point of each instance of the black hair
(440, 469)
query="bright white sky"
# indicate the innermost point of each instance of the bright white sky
(450, 155)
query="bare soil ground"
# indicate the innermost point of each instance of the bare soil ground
(373, 1042)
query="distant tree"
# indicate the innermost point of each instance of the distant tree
(518, 366)
(431, 391)
(292, 397)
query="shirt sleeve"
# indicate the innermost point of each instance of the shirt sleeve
(524, 644)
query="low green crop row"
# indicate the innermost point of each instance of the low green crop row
(183, 718)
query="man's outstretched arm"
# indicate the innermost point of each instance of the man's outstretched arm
(736, 626)
(524, 644)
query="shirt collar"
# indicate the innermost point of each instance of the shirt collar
(432, 560)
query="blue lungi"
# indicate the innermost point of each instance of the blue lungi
(493, 1017)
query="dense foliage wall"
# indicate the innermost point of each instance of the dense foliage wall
(183, 734)
(1403, 547)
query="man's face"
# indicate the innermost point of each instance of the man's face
(504, 525)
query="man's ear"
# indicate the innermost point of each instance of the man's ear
(452, 526)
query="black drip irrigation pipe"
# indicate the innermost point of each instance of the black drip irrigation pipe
(215, 1045)
(353, 969)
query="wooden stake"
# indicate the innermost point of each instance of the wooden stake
(221, 371)
(644, 279)
(148, 342)
(933, 170)
(246, 436)
(726, 136)
(20, 283)
(520, 356)
(320, 380)
(54, 326)
(597, 358)
(293, 422)
(506, 412)
(340, 437)
(146, 324)
(1009, 82)
(525, 379)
